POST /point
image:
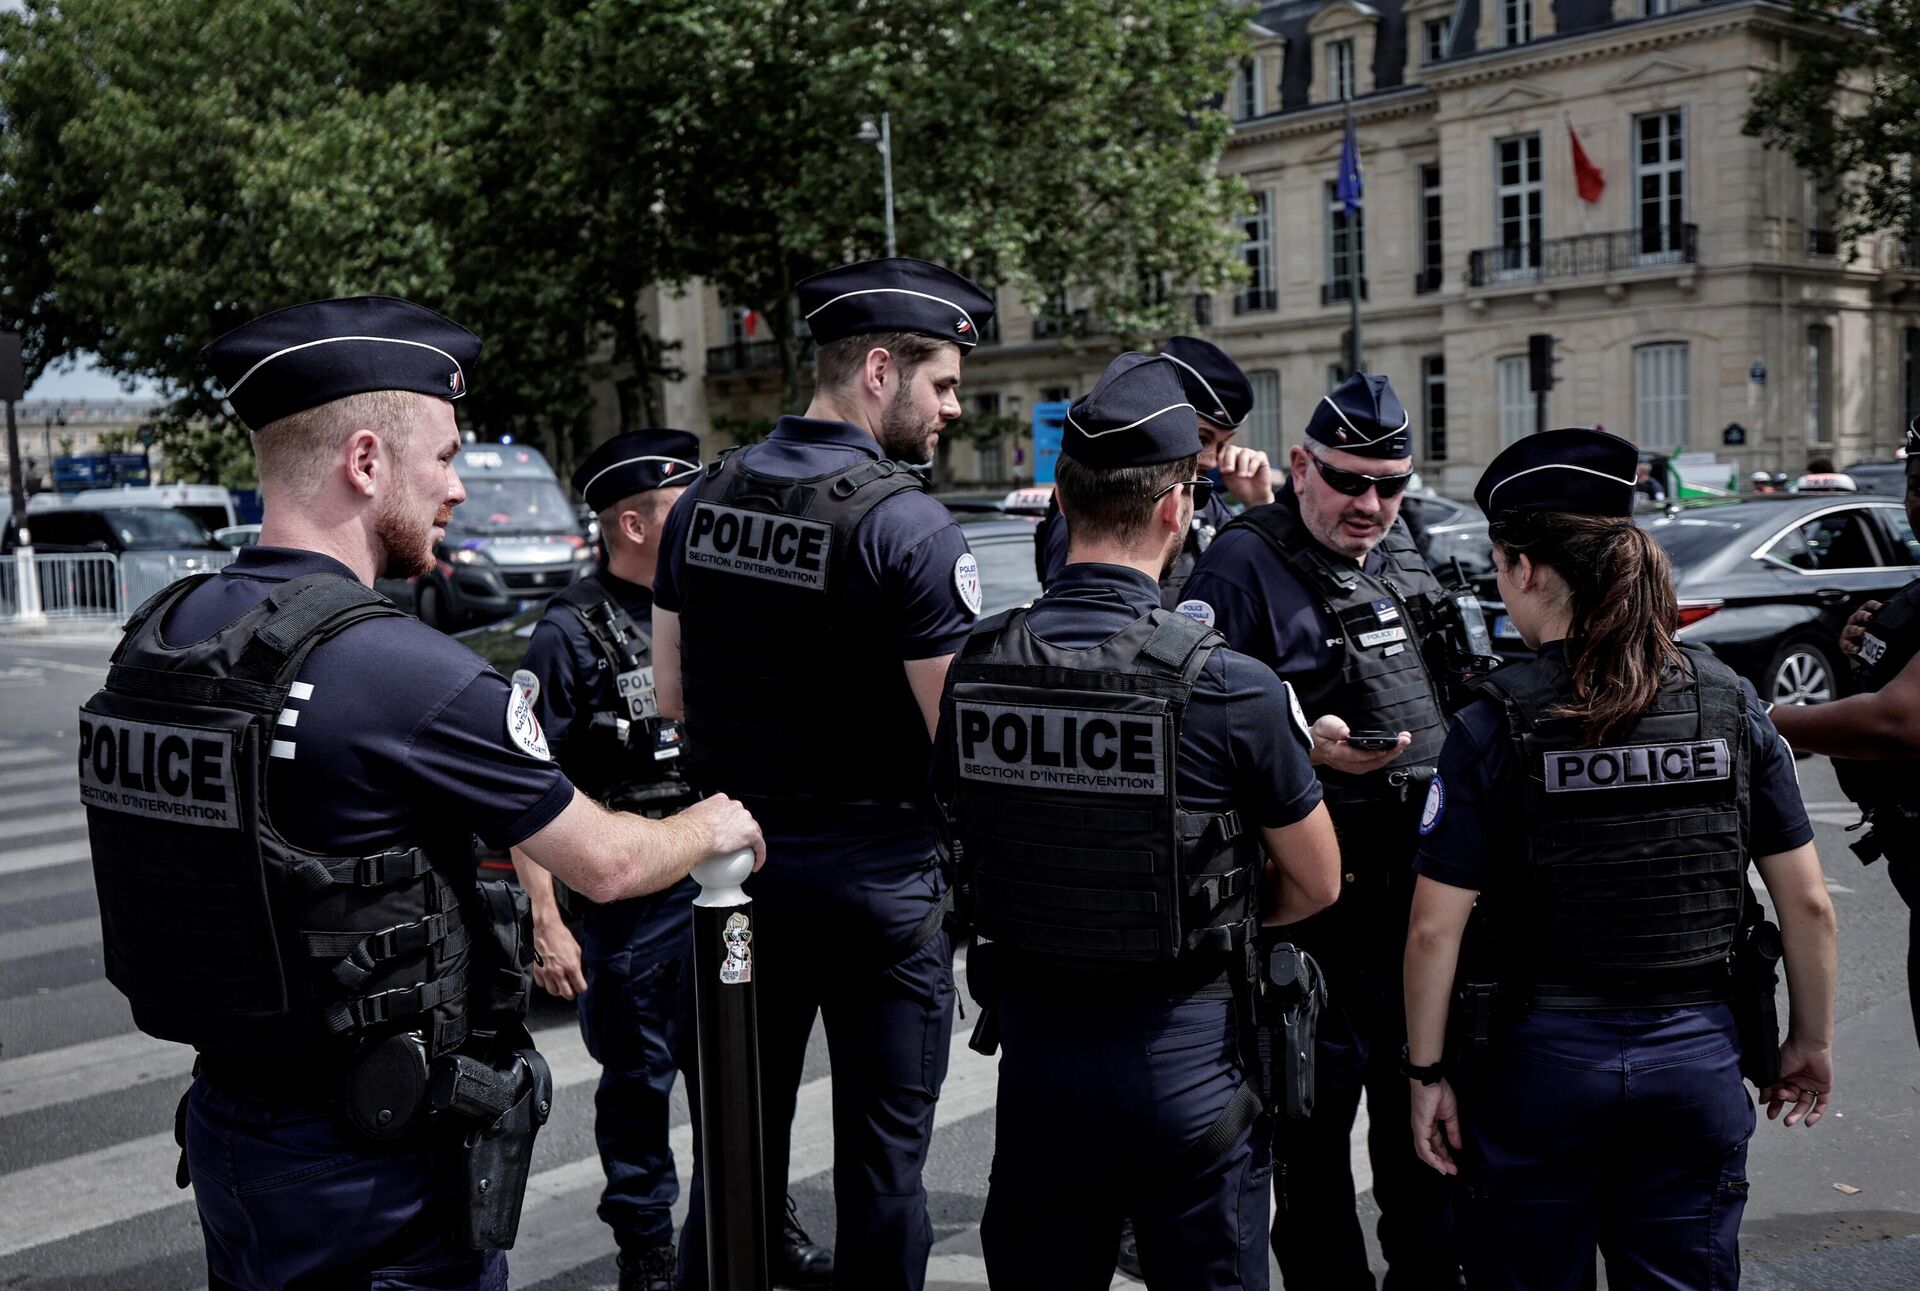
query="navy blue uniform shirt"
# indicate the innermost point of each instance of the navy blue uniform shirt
(401, 732)
(1053, 536)
(1474, 834)
(575, 679)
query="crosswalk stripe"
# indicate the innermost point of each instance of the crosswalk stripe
(47, 823)
(61, 794)
(44, 857)
(30, 777)
(76, 1071)
(46, 937)
(27, 756)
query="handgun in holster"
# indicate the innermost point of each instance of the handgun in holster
(502, 1109)
(1292, 993)
(1757, 952)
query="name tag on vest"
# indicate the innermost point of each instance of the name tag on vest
(1072, 749)
(180, 773)
(636, 688)
(1638, 766)
(778, 548)
(1872, 648)
(1381, 636)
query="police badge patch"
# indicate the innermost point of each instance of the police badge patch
(1436, 806)
(1198, 611)
(523, 728)
(1299, 717)
(966, 581)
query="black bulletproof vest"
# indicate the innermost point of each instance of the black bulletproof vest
(1200, 536)
(1383, 682)
(1075, 849)
(1635, 851)
(221, 933)
(626, 756)
(791, 691)
(1886, 790)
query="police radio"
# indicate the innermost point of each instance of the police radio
(1460, 648)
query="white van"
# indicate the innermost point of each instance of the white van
(210, 504)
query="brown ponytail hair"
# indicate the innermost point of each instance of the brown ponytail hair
(1622, 606)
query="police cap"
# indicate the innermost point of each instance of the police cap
(305, 355)
(637, 461)
(1362, 416)
(1217, 388)
(1135, 415)
(1585, 472)
(894, 295)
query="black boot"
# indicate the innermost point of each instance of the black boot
(797, 1262)
(1129, 1261)
(647, 1266)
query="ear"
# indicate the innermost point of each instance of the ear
(1166, 512)
(367, 462)
(1523, 572)
(880, 369)
(633, 525)
(1297, 466)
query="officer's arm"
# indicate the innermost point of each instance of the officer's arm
(666, 664)
(928, 677)
(557, 965)
(1434, 932)
(1798, 889)
(1303, 867)
(1877, 727)
(611, 855)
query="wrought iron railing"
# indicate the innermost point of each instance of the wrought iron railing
(1585, 255)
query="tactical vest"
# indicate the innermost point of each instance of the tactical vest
(792, 691)
(1635, 852)
(1200, 536)
(1885, 791)
(1383, 682)
(1075, 851)
(221, 933)
(627, 756)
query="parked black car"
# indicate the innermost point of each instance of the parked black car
(1768, 581)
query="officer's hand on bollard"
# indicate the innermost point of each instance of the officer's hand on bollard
(727, 826)
(1331, 749)
(557, 969)
(1805, 1085)
(1857, 626)
(1436, 1125)
(1246, 474)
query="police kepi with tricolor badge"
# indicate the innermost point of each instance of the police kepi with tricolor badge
(283, 777)
(1115, 776)
(1593, 816)
(810, 596)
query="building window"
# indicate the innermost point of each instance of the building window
(1660, 183)
(1516, 22)
(1263, 427)
(1346, 250)
(1247, 90)
(1819, 384)
(1433, 405)
(1517, 202)
(1431, 254)
(1821, 216)
(1340, 83)
(1436, 35)
(1653, 8)
(1910, 374)
(1337, 372)
(1056, 394)
(1660, 387)
(1516, 400)
(1256, 252)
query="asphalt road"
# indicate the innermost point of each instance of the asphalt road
(87, 1198)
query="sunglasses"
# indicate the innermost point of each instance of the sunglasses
(1202, 491)
(1353, 483)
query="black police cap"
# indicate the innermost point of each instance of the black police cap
(637, 461)
(1219, 390)
(895, 295)
(1363, 416)
(1135, 415)
(1585, 472)
(305, 355)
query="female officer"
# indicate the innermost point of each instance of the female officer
(1604, 798)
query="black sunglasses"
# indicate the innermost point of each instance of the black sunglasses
(1353, 483)
(1202, 491)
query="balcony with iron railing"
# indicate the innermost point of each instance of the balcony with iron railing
(751, 356)
(1585, 255)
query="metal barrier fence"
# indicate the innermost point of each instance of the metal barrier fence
(99, 585)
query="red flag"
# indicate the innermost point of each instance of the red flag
(1588, 176)
(750, 322)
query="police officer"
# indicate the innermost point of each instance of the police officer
(1117, 777)
(1326, 587)
(1222, 397)
(1874, 736)
(810, 598)
(283, 776)
(1602, 802)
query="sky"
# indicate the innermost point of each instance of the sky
(86, 381)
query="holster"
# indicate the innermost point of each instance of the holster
(1470, 1020)
(1290, 994)
(1756, 1014)
(502, 1108)
(505, 953)
(983, 983)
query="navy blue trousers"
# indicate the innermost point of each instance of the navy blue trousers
(637, 1020)
(289, 1204)
(1622, 1132)
(1099, 1106)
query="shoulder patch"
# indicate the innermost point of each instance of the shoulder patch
(523, 728)
(1436, 805)
(1199, 611)
(1299, 717)
(966, 581)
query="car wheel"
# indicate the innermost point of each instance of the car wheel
(1802, 672)
(431, 604)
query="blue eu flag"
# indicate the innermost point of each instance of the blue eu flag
(1348, 187)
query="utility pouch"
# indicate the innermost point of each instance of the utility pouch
(386, 1088)
(506, 972)
(1294, 993)
(1756, 1014)
(503, 1109)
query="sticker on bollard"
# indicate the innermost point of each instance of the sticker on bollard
(737, 968)
(733, 1166)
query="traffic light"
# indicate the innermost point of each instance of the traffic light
(1540, 362)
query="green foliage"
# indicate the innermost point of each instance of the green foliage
(982, 428)
(1846, 108)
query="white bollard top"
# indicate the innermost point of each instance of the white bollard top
(720, 879)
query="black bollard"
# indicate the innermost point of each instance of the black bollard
(733, 1164)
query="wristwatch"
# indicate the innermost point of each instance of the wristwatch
(1431, 1075)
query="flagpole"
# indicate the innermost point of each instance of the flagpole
(1353, 257)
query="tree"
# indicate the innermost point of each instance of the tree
(1847, 109)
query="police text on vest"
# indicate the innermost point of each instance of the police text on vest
(180, 773)
(1637, 766)
(1078, 750)
(760, 544)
